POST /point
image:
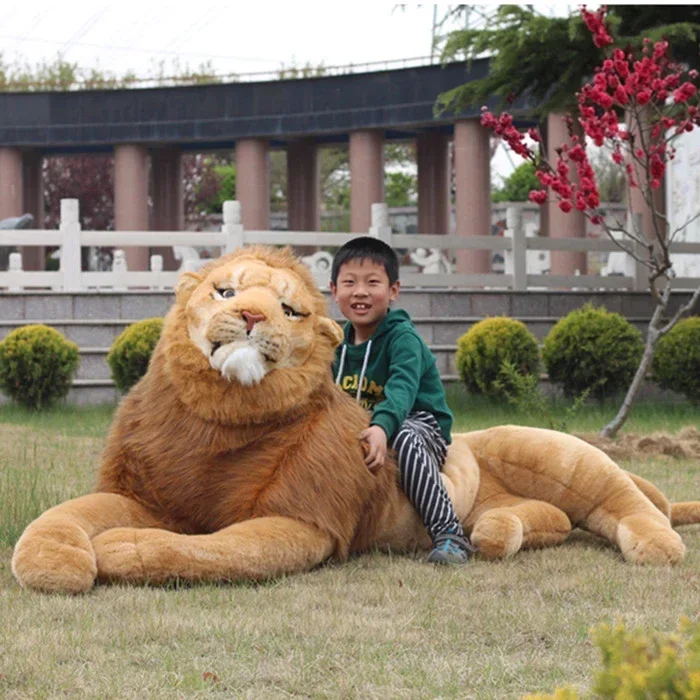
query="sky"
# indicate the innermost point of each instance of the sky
(137, 37)
(127, 35)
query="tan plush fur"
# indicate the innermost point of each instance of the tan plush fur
(236, 457)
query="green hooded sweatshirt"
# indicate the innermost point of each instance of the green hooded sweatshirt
(396, 372)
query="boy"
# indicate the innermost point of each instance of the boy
(389, 370)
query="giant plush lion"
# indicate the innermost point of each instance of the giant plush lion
(236, 457)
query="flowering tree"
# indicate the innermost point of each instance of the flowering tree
(659, 99)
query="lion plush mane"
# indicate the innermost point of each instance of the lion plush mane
(236, 457)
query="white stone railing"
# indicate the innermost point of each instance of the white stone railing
(525, 267)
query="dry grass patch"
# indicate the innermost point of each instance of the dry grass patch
(375, 627)
(685, 444)
(39, 468)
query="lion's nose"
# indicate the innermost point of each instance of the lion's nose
(251, 319)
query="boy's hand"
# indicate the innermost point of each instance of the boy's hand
(375, 437)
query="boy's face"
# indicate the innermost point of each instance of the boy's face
(363, 294)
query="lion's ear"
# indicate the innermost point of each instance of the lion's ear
(330, 329)
(185, 285)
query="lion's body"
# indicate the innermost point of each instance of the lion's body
(236, 457)
(199, 476)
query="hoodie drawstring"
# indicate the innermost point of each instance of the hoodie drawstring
(362, 371)
(342, 362)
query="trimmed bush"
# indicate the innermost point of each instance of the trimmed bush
(487, 345)
(676, 363)
(592, 349)
(131, 352)
(640, 664)
(37, 365)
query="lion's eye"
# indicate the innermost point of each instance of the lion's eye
(289, 311)
(227, 292)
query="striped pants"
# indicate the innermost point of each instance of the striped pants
(420, 452)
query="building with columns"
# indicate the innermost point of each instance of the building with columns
(363, 111)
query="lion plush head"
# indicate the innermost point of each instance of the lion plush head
(249, 330)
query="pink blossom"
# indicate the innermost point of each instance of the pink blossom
(643, 96)
(621, 78)
(577, 153)
(657, 167)
(621, 95)
(684, 93)
(538, 196)
(565, 206)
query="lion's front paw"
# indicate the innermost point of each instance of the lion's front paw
(646, 541)
(497, 534)
(54, 557)
(118, 557)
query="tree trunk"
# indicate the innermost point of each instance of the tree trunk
(653, 336)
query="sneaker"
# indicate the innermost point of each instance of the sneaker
(451, 549)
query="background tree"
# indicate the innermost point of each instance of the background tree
(517, 186)
(660, 99)
(545, 60)
(208, 181)
(400, 189)
(612, 184)
(90, 179)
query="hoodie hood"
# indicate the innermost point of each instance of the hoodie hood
(391, 322)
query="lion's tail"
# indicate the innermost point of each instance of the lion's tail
(685, 513)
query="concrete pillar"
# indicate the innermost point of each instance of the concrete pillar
(11, 182)
(472, 191)
(561, 225)
(10, 189)
(303, 210)
(544, 210)
(34, 257)
(253, 183)
(131, 198)
(433, 183)
(637, 204)
(168, 202)
(366, 176)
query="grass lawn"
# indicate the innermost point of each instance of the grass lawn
(376, 626)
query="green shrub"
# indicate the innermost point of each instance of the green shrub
(525, 394)
(676, 363)
(592, 349)
(37, 365)
(131, 352)
(487, 345)
(643, 665)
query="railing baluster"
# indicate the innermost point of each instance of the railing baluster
(70, 245)
(515, 246)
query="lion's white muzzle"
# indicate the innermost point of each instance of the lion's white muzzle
(244, 364)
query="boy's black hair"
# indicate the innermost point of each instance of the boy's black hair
(367, 248)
